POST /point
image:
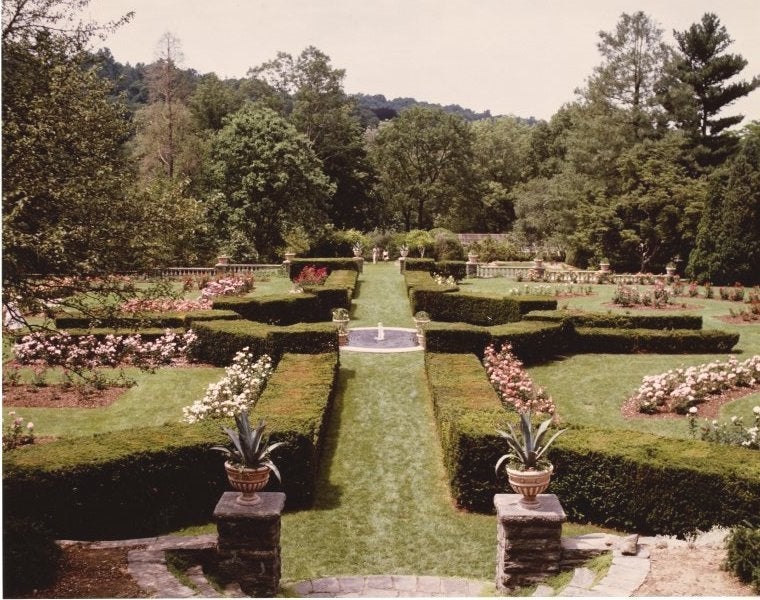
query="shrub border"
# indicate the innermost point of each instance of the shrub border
(145, 481)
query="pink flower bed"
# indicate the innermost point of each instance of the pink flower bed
(513, 384)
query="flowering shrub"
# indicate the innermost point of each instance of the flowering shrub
(441, 280)
(17, 434)
(238, 390)
(513, 384)
(79, 354)
(678, 389)
(158, 305)
(311, 275)
(625, 295)
(735, 293)
(734, 433)
(227, 286)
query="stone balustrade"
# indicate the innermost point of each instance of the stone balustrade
(235, 269)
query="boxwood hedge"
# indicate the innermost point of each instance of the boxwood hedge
(625, 479)
(620, 321)
(671, 341)
(147, 320)
(219, 341)
(477, 309)
(151, 480)
(531, 341)
(331, 264)
(448, 268)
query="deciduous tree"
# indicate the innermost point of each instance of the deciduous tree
(424, 159)
(267, 179)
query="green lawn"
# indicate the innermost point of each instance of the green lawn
(156, 399)
(590, 388)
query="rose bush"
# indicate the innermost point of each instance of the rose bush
(679, 389)
(513, 384)
(238, 390)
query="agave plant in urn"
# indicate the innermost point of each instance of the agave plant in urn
(528, 469)
(248, 465)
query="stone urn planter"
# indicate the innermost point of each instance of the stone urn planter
(223, 260)
(528, 472)
(247, 481)
(605, 267)
(289, 256)
(248, 463)
(530, 484)
(472, 257)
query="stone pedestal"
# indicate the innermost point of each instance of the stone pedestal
(471, 265)
(249, 542)
(359, 263)
(529, 540)
(402, 264)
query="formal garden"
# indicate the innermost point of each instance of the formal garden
(269, 285)
(387, 459)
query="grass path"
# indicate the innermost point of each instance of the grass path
(382, 504)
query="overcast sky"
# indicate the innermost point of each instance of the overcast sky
(520, 57)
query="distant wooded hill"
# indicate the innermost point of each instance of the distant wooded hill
(373, 108)
(384, 109)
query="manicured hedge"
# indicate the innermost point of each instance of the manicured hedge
(476, 309)
(620, 321)
(143, 482)
(456, 338)
(532, 303)
(329, 297)
(536, 341)
(674, 341)
(426, 265)
(654, 485)
(454, 268)
(342, 278)
(312, 306)
(531, 341)
(331, 264)
(422, 280)
(451, 268)
(219, 341)
(298, 402)
(147, 320)
(625, 479)
(274, 309)
(467, 412)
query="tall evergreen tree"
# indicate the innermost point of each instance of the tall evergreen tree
(728, 242)
(700, 86)
(633, 55)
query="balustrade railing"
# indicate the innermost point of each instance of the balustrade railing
(549, 275)
(220, 270)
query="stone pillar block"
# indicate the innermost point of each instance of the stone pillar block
(359, 263)
(529, 541)
(402, 264)
(249, 542)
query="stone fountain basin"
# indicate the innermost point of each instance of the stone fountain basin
(396, 339)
